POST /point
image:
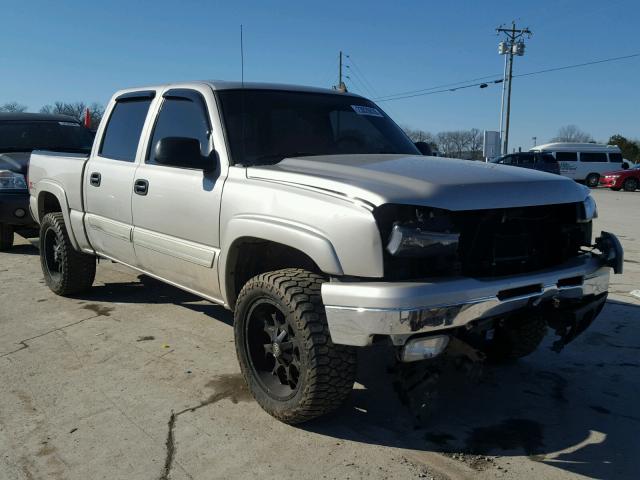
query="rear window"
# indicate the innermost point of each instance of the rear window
(593, 157)
(566, 156)
(615, 157)
(121, 137)
(25, 136)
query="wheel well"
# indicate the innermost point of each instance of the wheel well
(251, 256)
(48, 203)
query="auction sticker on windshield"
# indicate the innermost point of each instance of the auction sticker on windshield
(363, 110)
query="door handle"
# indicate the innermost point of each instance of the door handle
(95, 179)
(141, 187)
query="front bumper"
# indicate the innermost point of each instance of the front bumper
(14, 209)
(357, 311)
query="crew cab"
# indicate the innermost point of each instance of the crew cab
(311, 215)
(20, 134)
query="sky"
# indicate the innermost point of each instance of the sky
(84, 51)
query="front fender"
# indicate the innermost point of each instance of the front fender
(292, 234)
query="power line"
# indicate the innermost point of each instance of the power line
(432, 90)
(613, 59)
(479, 84)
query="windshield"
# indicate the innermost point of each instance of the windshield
(26, 136)
(281, 124)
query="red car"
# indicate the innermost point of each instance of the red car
(627, 179)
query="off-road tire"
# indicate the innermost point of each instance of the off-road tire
(516, 337)
(592, 180)
(6, 236)
(630, 185)
(77, 270)
(327, 371)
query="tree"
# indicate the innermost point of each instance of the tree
(76, 110)
(571, 133)
(13, 107)
(630, 149)
(417, 135)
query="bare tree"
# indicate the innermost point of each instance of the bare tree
(76, 110)
(13, 107)
(571, 133)
(417, 135)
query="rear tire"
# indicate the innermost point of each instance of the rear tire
(6, 236)
(630, 185)
(616, 189)
(592, 180)
(65, 270)
(293, 369)
(517, 337)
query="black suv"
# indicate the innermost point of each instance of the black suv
(20, 134)
(535, 160)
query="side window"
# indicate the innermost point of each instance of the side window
(615, 157)
(566, 156)
(593, 157)
(525, 158)
(121, 137)
(181, 117)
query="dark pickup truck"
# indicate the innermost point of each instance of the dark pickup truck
(20, 134)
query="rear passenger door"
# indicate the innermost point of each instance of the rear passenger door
(176, 217)
(108, 177)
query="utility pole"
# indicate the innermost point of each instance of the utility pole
(341, 85)
(512, 45)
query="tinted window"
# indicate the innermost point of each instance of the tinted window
(615, 157)
(593, 157)
(25, 136)
(265, 126)
(524, 158)
(121, 137)
(566, 156)
(181, 117)
(545, 158)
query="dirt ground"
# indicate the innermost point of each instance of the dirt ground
(139, 380)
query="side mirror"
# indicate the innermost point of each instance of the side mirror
(181, 152)
(424, 147)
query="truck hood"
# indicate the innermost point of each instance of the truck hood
(15, 161)
(429, 181)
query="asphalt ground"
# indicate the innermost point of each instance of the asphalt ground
(139, 380)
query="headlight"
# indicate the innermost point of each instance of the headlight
(12, 181)
(589, 210)
(412, 241)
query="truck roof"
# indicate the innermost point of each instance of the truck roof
(235, 85)
(35, 117)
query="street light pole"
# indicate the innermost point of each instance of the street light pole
(512, 45)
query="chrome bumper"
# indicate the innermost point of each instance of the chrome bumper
(356, 311)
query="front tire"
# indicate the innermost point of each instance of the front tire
(592, 180)
(293, 369)
(6, 236)
(66, 271)
(630, 185)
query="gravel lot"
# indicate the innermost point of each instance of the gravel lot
(138, 380)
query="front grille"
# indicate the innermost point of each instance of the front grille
(496, 242)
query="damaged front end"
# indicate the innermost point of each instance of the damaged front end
(468, 274)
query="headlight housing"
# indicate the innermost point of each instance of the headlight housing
(12, 181)
(588, 210)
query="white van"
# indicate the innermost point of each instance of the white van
(585, 162)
